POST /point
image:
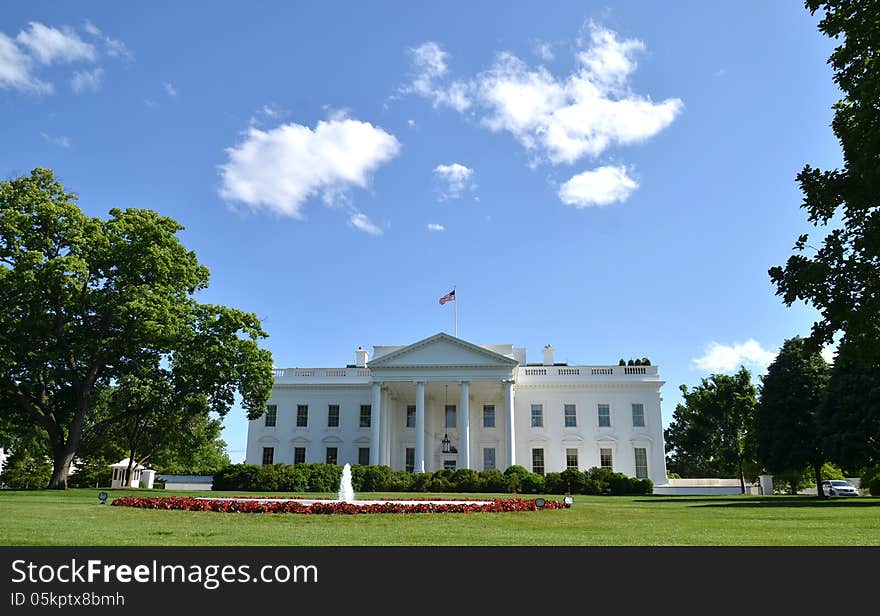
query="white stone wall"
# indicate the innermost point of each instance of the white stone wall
(587, 437)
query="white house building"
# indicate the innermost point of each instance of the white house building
(444, 402)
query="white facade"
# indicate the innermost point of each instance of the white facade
(392, 410)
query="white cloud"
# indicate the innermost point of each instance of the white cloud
(87, 80)
(411, 123)
(722, 358)
(114, 47)
(429, 62)
(597, 187)
(49, 45)
(279, 169)
(61, 140)
(435, 227)
(454, 179)
(361, 222)
(15, 69)
(170, 90)
(558, 119)
(544, 51)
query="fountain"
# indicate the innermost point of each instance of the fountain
(346, 491)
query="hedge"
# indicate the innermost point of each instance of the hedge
(516, 479)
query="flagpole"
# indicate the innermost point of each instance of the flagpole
(456, 311)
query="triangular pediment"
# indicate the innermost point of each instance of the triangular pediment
(442, 350)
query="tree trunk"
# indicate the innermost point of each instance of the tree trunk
(817, 469)
(742, 477)
(61, 468)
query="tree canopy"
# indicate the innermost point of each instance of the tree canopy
(787, 426)
(710, 434)
(841, 276)
(87, 304)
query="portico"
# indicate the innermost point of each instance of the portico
(436, 380)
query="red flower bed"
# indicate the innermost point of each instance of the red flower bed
(189, 503)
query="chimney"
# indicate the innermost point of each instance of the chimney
(361, 358)
(548, 355)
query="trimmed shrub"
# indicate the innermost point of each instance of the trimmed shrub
(235, 477)
(400, 481)
(466, 480)
(572, 481)
(493, 480)
(370, 478)
(622, 362)
(553, 484)
(532, 483)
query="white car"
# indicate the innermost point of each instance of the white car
(838, 487)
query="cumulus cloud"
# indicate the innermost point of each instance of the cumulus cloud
(113, 47)
(597, 187)
(429, 63)
(453, 180)
(281, 168)
(723, 358)
(87, 80)
(40, 45)
(557, 118)
(544, 51)
(50, 45)
(435, 227)
(362, 223)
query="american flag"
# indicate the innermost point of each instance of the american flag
(449, 297)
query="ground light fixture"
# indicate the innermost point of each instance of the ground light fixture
(568, 500)
(539, 503)
(102, 496)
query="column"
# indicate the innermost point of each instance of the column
(386, 427)
(375, 422)
(511, 433)
(464, 448)
(420, 427)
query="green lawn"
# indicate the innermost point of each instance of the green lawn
(75, 518)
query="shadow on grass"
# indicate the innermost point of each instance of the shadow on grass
(766, 501)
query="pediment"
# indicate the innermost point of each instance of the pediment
(442, 350)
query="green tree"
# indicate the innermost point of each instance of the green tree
(787, 417)
(86, 303)
(841, 278)
(850, 416)
(25, 469)
(711, 433)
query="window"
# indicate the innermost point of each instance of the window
(299, 455)
(411, 416)
(489, 416)
(302, 415)
(410, 459)
(366, 416)
(363, 455)
(570, 416)
(488, 458)
(538, 461)
(638, 415)
(268, 455)
(271, 415)
(571, 458)
(333, 416)
(604, 416)
(605, 460)
(641, 462)
(537, 415)
(450, 416)
(332, 455)
(449, 465)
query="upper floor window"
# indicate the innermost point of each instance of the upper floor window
(271, 415)
(570, 411)
(302, 415)
(638, 415)
(537, 415)
(489, 416)
(333, 416)
(604, 416)
(366, 416)
(411, 416)
(450, 416)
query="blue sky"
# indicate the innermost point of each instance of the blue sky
(612, 179)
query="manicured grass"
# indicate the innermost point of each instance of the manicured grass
(74, 517)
